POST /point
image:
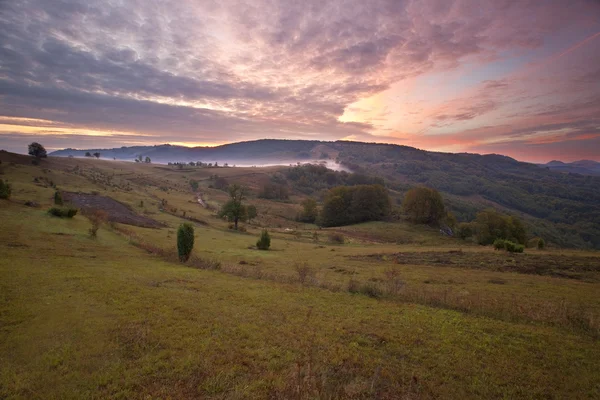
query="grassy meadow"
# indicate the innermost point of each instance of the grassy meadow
(396, 311)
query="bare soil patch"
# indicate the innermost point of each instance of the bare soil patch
(116, 211)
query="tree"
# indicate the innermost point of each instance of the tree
(251, 212)
(309, 212)
(464, 230)
(147, 160)
(424, 205)
(265, 241)
(97, 155)
(5, 190)
(185, 241)
(58, 200)
(234, 210)
(88, 154)
(37, 150)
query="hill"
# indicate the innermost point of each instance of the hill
(391, 310)
(563, 208)
(583, 167)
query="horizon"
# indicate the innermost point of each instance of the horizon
(490, 77)
(23, 151)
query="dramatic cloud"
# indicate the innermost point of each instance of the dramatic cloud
(458, 75)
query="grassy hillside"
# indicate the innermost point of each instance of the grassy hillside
(564, 208)
(397, 311)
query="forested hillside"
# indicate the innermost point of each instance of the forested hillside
(563, 207)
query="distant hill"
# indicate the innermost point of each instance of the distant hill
(563, 208)
(253, 152)
(584, 167)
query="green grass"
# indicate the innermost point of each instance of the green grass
(101, 318)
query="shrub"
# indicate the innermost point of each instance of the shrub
(63, 212)
(265, 241)
(185, 241)
(393, 280)
(513, 247)
(97, 218)
(499, 244)
(305, 272)
(541, 244)
(58, 200)
(367, 289)
(336, 237)
(5, 190)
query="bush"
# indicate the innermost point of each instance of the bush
(63, 212)
(541, 244)
(336, 237)
(513, 247)
(97, 218)
(185, 241)
(5, 190)
(367, 289)
(305, 272)
(499, 244)
(58, 200)
(265, 241)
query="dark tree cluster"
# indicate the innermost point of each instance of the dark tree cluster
(274, 191)
(346, 205)
(309, 178)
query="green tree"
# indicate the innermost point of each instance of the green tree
(37, 150)
(464, 230)
(5, 190)
(424, 205)
(265, 241)
(234, 210)
(185, 241)
(251, 212)
(309, 210)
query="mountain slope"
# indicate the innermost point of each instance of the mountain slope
(563, 208)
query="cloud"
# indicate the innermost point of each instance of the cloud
(210, 71)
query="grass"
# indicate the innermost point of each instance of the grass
(118, 317)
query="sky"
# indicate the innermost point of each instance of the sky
(513, 77)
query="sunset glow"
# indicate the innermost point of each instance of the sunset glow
(516, 78)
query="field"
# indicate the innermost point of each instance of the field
(396, 311)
